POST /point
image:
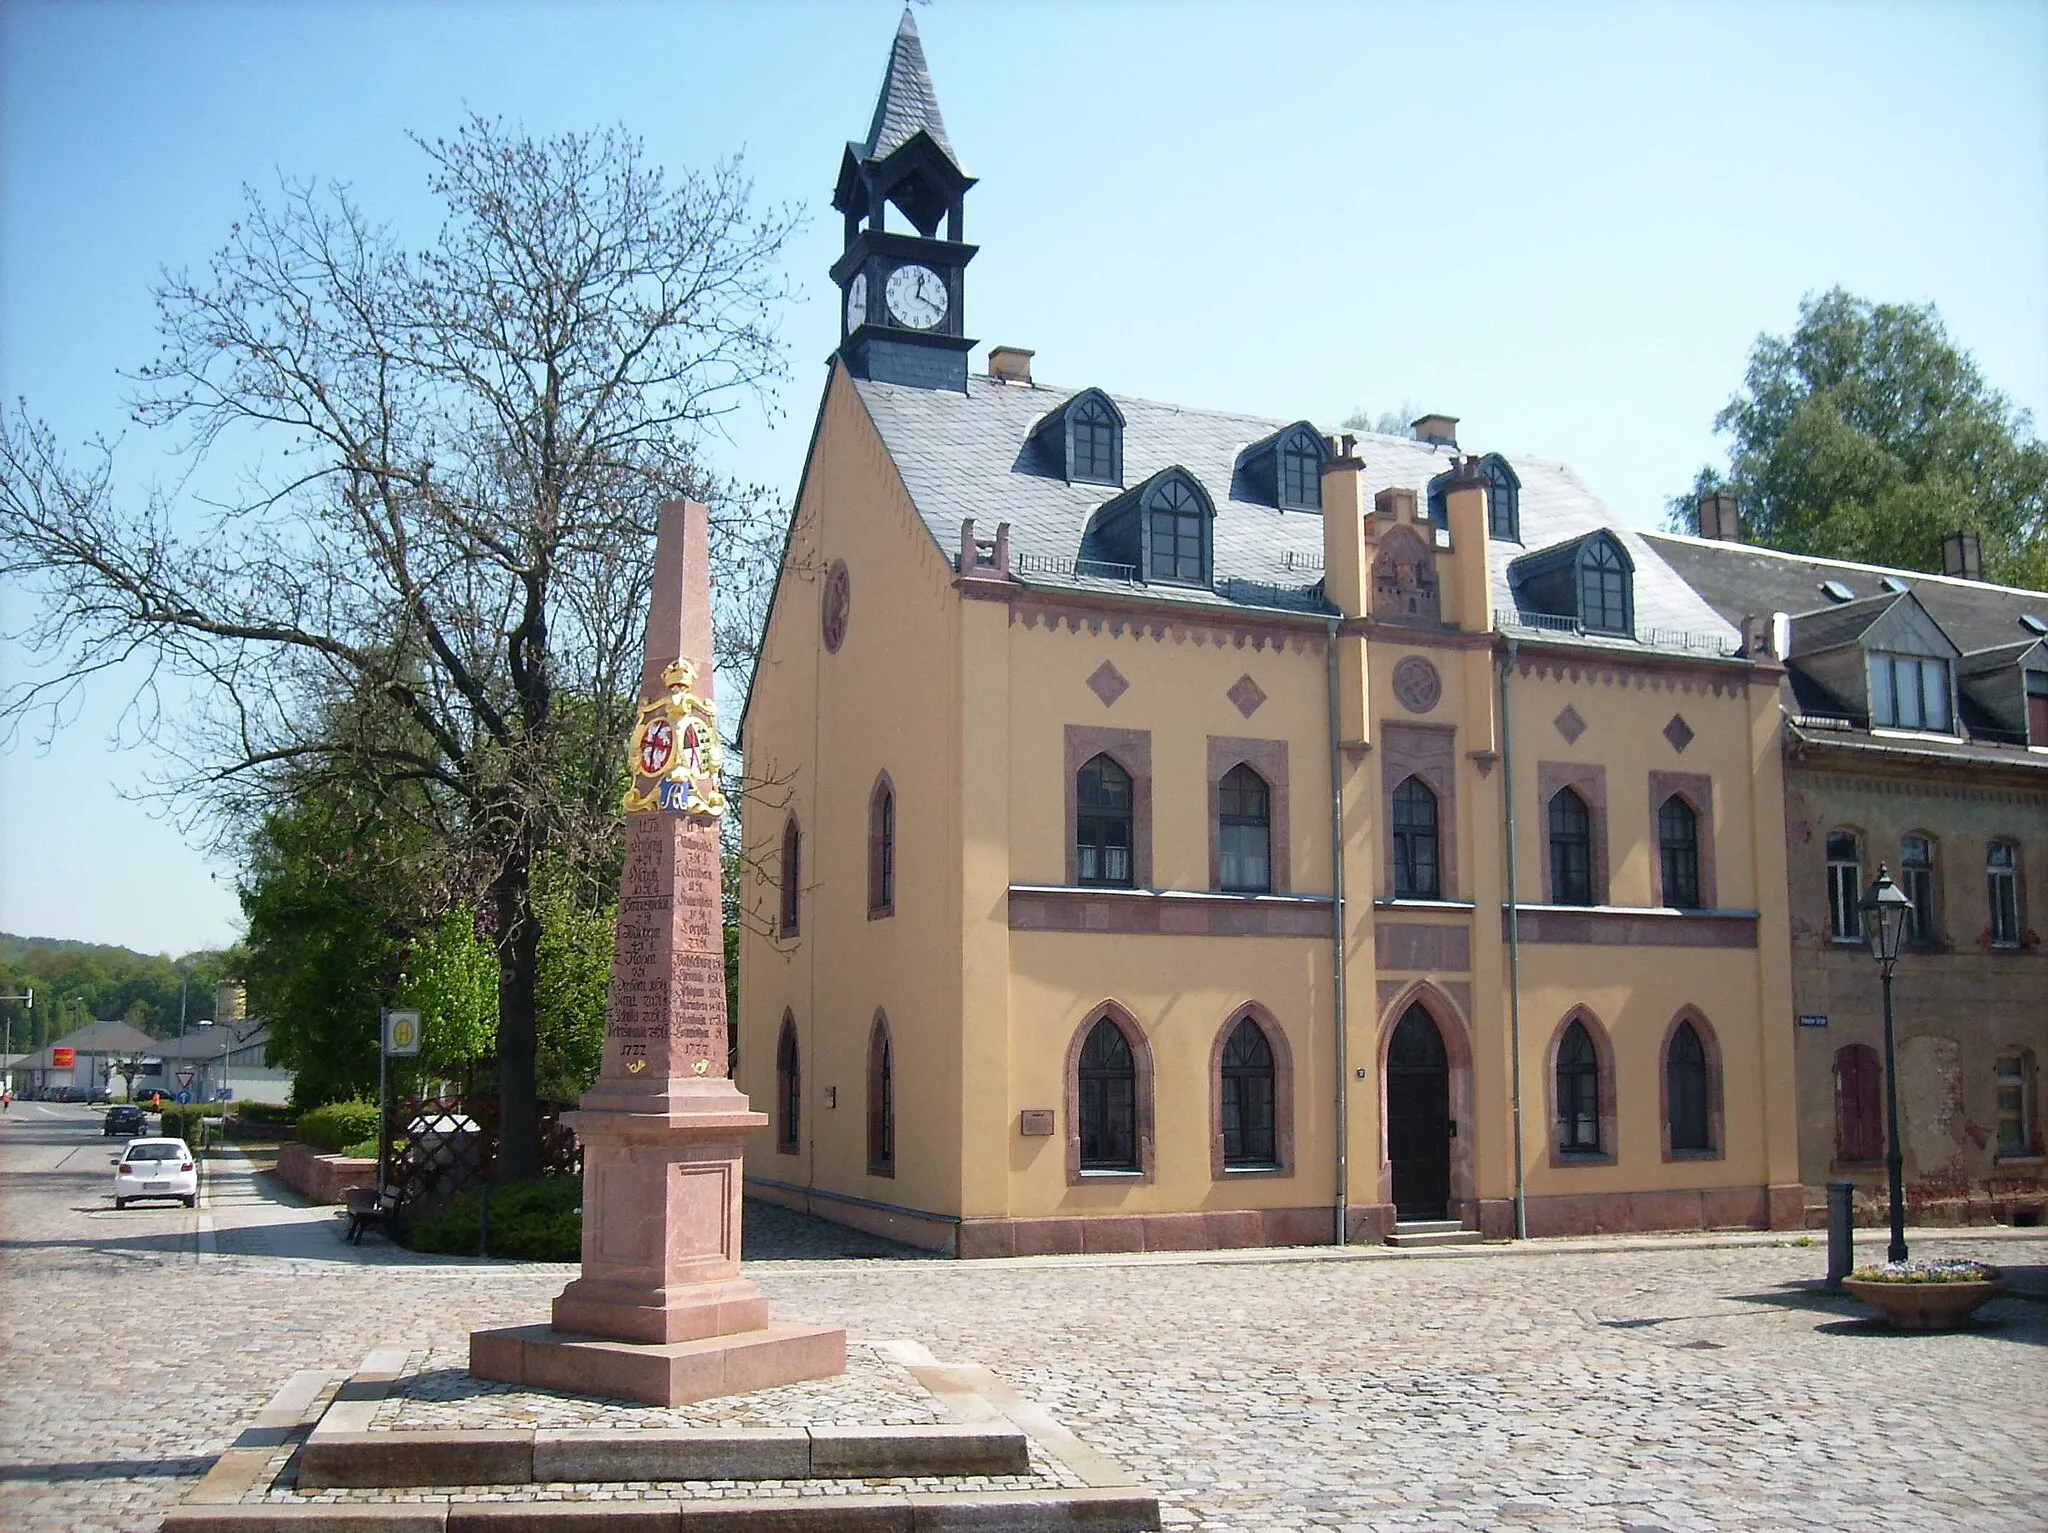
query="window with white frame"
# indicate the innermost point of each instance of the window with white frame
(2014, 1076)
(1916, 879)
(2002, 874)
(1845, 887)
(1909, 692)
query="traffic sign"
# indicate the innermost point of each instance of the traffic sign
(401, 1033)
(184, 1077)
(184, 1099)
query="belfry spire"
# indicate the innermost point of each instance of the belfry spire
(908, 103)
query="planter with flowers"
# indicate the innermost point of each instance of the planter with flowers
(1936, 1295)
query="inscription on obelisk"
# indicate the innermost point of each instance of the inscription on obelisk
(667, 1010)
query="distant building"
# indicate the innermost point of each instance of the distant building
(1915, 736)
(1180, 829)
(225, 1056)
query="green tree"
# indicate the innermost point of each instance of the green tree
(452, 981)
(1867, 433)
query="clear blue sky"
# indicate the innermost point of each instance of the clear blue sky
(1563, 223)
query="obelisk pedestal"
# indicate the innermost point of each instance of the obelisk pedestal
(661, 1312)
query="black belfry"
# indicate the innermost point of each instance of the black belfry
(903, 290)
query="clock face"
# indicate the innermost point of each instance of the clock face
(917, 296)
(857, 301)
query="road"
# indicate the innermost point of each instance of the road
(1662, 1385)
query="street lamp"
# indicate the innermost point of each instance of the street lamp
(1885, 907)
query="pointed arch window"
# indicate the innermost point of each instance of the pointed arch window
(1571, 850)
(792, 874)
(1094, 442)
(1415, 842)
(1578, 1092)
(882, 848)
(1503, 500)
(1108, 1101)
(1678, 852)
(1301, 471)
(1244, 832)
(1102, 825)
(881, 1099)
(1604, 605)
(1686, 1091)
(1176, 532)
(789, 1089)
(1249, 1140)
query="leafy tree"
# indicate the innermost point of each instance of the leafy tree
(453, 983)
(1867, 433)
(449, 463)
(1387, 422)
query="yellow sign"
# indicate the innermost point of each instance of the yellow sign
(674, 754)
(401, 1033)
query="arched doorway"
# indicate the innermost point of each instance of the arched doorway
(1419, 1118)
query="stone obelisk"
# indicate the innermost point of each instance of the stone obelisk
(661, 1313)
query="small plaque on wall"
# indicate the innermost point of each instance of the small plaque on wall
(1813, 1019)
(1035, 1122)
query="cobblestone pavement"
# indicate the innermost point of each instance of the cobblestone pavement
(1665, 1385)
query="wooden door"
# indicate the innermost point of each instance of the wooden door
(1419, 1118)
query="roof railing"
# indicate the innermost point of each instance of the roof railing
(1649, 638)
(1092, 569)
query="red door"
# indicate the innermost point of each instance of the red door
(1859, 1124)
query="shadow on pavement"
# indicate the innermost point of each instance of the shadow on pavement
(2020, 1314)
(110, 1469)
(772, 1233)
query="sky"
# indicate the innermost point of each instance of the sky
(1565, 224)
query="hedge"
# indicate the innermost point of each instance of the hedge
(539, 1221)
(338, 1125)
(182, 1122)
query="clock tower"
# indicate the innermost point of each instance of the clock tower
(902, 290)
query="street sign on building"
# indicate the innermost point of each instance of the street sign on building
(401, 1033)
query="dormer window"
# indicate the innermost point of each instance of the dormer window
(1503, 499)
(1301, 471)
(1092, 446)
(1909, 692)
(1604, 588)
(1176, 532)
(1439, 500)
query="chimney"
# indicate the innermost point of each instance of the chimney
(1344, 561)
(1010, 364)
(1395, 501)
(1437, 430)
(1720, 517)
(1467, 579)
(1962, 556)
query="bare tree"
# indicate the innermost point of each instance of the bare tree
(429, 581)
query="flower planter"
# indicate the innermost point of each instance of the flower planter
(1924, 1306)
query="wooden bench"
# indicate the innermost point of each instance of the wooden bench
(367, 1206)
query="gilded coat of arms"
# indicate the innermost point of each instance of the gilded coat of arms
(674, 751)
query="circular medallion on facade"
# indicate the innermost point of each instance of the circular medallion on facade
(838, 598)
(1417, 684)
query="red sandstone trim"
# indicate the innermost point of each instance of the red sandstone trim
(1269, 759)
(1603, 1055)
(1697, 789)
(1130, 749)
(1174, 913)
(1590, 783)
(1450, 1026)
(1141, 1061)
(1283, 1096)
(1573, 925)
(1717, 1134)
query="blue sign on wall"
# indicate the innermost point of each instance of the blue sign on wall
(1813, 1019)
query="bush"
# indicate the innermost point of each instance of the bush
(363, 1149)
(275, 1114)
(537, 1221)
(337, 1124)
(182, 1122)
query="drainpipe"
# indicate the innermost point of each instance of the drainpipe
(1337, 942)
(1507, 788)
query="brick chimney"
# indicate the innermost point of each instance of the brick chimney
(1962, 556)
(1344, 561)
(1437, 430)
(1010, 364)
(1720, 516)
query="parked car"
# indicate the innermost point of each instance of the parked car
(124, 1119)
(156, 1168)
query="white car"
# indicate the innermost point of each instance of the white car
(156, 1168)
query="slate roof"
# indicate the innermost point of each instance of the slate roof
(1833, 625)
(1737, 578)
(969, 455)
(908, 104)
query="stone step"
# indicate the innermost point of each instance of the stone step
(402, 1460)
(1089, 1510)
(1432, 1232)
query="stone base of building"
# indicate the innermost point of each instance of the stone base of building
(2017, 1201)
(906, 1226)
(1691, 1208)
(658, 1373)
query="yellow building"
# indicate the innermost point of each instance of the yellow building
(1174, 829)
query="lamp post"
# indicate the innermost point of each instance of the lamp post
(1885, 907)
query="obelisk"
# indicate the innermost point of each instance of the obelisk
(661, 1313)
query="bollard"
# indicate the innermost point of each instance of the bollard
(1841, 1231)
